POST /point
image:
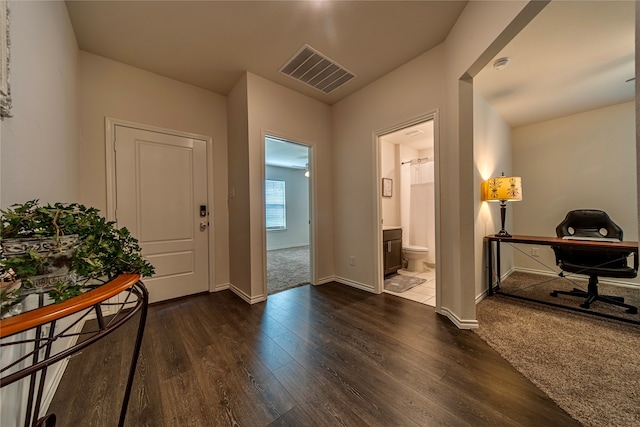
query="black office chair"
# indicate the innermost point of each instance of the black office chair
(595, 262)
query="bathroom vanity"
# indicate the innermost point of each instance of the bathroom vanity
(392, 249)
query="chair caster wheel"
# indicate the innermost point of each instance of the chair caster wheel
(632, 310)
(585, 306)
(554, 294)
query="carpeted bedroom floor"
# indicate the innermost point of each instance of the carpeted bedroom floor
(287, 268)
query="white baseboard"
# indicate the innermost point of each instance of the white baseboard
(507, 274)
(327, 279)
(354, 284)
(460, 323)
(247, 298)
(485, 292)
(218, 288)
(347, 282)
(482, 296)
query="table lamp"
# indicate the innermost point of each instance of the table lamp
(501, 189)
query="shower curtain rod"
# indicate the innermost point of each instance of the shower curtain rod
(420, 160)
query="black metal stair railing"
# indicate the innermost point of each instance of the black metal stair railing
(35, 345)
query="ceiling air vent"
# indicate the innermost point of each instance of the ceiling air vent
(314, 69)
(414, 132)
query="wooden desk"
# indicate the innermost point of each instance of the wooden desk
(548, 241)
(626, 246)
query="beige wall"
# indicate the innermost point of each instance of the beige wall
(481, 31)
(112, 89)
(585, 160)
(427, 83)
(412, 90)
(493, 155)
(39, 143)
(345, 177)
(388, 161)
(275, 110)
(61, 97)
(239, 200)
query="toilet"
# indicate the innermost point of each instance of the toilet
(416, 256)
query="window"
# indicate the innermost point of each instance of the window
(274, 195)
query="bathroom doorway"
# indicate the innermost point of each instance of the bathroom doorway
(408, 167)
(287, 214)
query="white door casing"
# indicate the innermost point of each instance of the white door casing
(160, 185)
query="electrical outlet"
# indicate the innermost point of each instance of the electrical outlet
(535, 251)
(352, 260)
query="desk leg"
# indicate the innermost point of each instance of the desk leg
(490, 266)
(498, 276)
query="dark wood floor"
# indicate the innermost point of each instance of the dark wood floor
(328, 355)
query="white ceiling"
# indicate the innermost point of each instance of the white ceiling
(210, 44)
(573, 57)
(284, 154)
(419, 137)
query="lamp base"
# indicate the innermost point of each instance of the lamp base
(503, 213)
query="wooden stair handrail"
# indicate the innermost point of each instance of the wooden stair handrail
(40, 316)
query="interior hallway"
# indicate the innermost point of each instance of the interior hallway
(310, 356)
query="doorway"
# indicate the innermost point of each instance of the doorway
(157, 189)
(287, 214)
(408, 168)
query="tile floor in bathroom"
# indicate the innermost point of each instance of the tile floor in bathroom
(424, 293)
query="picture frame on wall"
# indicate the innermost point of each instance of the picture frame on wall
(387, 187)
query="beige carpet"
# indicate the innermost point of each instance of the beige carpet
(287, 268)
(589, 365)
(539, 287)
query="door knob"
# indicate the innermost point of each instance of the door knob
(203, 225)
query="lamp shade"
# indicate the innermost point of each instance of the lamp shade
(502, 188)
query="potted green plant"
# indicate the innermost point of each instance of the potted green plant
(62, 249)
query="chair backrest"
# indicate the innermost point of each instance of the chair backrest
(589, 223)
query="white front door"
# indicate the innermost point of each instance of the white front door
(161, 187)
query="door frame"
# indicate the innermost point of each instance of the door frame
(110, 124)
(312, 204)
(378, 260)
